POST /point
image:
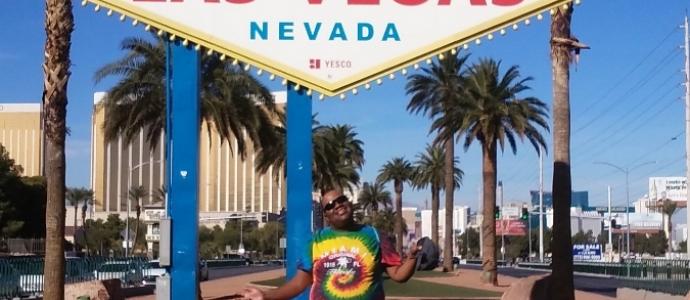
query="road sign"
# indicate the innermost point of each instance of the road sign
(332, 46)
(510, 211)
(283, 243)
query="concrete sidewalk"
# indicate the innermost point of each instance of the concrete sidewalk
(470, 278)
(222, 288)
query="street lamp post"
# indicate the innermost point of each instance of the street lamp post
(626, 171)
(129, 201)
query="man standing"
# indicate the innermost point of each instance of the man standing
(346, 260)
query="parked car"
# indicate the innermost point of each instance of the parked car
(129, 272)
(153, 270)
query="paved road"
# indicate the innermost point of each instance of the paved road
(215, 273)
(599, 285)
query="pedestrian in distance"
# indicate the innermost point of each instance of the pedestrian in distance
(345, 261)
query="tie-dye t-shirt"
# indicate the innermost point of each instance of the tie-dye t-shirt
(349, 264)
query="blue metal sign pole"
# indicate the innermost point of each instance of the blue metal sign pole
(299, 160)
(183, 165)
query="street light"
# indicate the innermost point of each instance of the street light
(626, 171)
(129, 201)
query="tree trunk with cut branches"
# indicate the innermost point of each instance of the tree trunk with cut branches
(561, 286)
(59, 24)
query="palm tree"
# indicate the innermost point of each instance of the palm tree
(399, 170)
(76, 196)
(232, 102)
(668, 208)
(493, 113)
(371, 196)
(135, 195)
(59, 24)
(434, 92)
(563, 47)
(430, 171)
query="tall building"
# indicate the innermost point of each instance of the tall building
(578, 199)
(21, 133)
(227, 182)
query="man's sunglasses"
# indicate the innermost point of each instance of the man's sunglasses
(331, 205)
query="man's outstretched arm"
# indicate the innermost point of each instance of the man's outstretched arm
(403, 272)
(291, 289)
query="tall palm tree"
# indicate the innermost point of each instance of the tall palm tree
(430, 171)
(233, 102)
(564, 49)
(135, 195)
(75, 197)
(434, 92)
(668, 208)
(372, 195)
(398, 170)
(59, 24)
(493, 113)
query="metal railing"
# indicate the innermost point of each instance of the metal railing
(23, 276)
(660, 275)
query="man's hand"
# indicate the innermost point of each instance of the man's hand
(413, 250)
(251, 293)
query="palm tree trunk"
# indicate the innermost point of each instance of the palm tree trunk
(561, 286)
(435, 195)
(59, 24)
(74, 229)
(450, 189)
(489, 273)
(398, 218)
(83, 227)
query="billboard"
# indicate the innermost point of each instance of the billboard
(674, 188)
(332, 46)
(586, 252)
(511, 228)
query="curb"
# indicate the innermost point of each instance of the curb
(401, 298)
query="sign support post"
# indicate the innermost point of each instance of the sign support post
(299, 185)
(182, 122)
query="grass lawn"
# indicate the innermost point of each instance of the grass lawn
(415, 288)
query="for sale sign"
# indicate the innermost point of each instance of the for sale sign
(586, 252)
(330, 45)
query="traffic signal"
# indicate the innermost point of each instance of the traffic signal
(525, 214)
(497, 212)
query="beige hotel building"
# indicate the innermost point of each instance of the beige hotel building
(22, 136)
(227, 183)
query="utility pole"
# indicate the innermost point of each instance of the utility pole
(529, 233)
(687, 113)
(480, 222)
(610, 243)
(541, 204)
(503, 225)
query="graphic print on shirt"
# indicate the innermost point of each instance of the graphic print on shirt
(345, 266)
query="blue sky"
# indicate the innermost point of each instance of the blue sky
(627, 105)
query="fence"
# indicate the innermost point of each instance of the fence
(23, 276)
(660, 275)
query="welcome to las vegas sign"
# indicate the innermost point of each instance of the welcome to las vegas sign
(331, 46)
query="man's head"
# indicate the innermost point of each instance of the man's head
(337, 209)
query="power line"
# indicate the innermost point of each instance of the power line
(639, 84)
(637, 66)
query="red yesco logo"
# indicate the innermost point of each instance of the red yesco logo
(314, 64)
